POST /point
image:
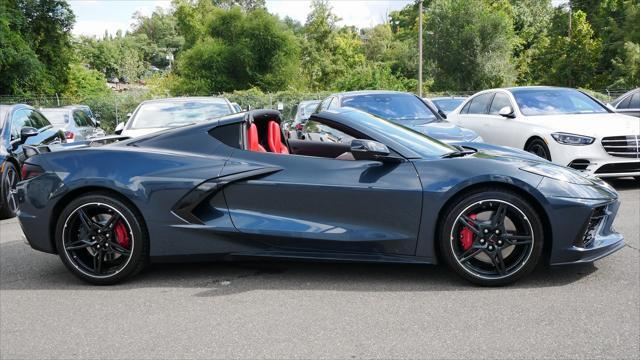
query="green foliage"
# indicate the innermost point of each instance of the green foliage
(471, 46)
(84, 83)
(239, 50)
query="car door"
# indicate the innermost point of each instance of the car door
(314, 204)
(502, 130)
(474, 115)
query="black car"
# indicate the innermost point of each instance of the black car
(628, 103)
(403, 108)
(19, 125)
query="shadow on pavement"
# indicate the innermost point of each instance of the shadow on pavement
(23, 268)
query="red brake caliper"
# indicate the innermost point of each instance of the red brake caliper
(122, 237)
(466, 235)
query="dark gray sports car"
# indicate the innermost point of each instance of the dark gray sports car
(235, 187)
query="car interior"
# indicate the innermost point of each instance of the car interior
(264, 134)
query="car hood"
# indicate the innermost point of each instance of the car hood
(594, 125)
(140, 132)
(444, 131)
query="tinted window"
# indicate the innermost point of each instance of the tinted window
(465, 109)
(334, 104)
(37, 120)
(178, 113)
(480, 104)
(555, 101)
(230, 135)
(325, 104)
(394, 107)
(624, 104)
(316, 131)
(635, 101)
(499, 101)
(20, 119)
(81, 119)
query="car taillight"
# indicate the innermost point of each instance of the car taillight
(29, 171)
(69, 135)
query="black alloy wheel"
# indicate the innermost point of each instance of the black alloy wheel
(9, 178)
(101, 240)
(492, 238)
(538, 147)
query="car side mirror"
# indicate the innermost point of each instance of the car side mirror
(27, 132)
(119, 128)
(442, 113)
(507, 112)
(129, 115)
(369, 150)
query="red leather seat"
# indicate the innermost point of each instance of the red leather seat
(274, 139)
(252, 139)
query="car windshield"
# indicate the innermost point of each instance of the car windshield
(555, 101)
(424, 145)
(56, 117)
(177, 113)
(447, 105)
(394, 107)
(306, 109)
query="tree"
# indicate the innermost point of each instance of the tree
(239, 50)
(471, 45)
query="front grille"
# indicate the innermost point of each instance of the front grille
(591, 229)
(619, 168)
(622, 146)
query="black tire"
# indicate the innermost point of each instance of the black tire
(489, 248)
(539, 147)
(8, 180)
(70, 228)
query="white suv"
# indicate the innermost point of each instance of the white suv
(563, 125)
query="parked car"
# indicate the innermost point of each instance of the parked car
(74, 122)
(403, 108)
(304, 110)
(19, 125)
(161, 114)
(628, 104)
(446, 104)
(562, 125)
(391, 195)
(87, 110)
(236, 107)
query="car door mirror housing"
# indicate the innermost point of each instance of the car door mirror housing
(371, 150)
(27, 132)
(119, 128)
(507, 112)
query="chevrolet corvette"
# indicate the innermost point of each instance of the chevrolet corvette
(236, 188)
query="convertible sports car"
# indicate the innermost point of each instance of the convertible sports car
(234, 187)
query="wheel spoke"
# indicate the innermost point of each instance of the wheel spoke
(498, 262)
(119, 249)
(97, 262)
(79, 244)
(86, 220)
(469, 223)
(497, 219)
(111, 223)
(469, 254)
(517, 239)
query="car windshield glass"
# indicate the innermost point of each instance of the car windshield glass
(424, 145)
(555, 101)
(447, 105)
(172, 114)
(394, 107)
(56, 117)
(309, 108)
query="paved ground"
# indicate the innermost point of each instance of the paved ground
(302, 310)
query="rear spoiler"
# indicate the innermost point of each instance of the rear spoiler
(33, 150)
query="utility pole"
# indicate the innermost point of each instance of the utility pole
(420, 49)
(570, 31)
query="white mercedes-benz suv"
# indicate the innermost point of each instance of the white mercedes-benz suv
(563, 125)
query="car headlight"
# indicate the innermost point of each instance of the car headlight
(572, 139)
(557, 173)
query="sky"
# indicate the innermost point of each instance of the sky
(93, 17)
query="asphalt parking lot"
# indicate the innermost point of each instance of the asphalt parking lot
(321, 310)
